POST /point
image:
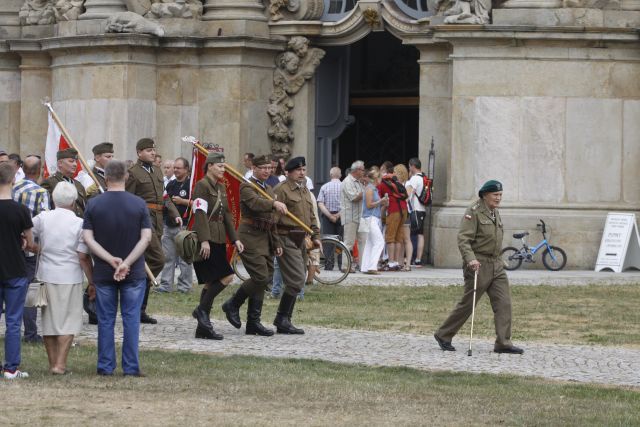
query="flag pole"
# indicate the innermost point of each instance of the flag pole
(68, 138)
(85, 166)
(237, 175)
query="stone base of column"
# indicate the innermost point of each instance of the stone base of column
(234, 10)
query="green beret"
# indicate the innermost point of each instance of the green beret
(295, 163)
(490, 187)
(214, 157)
(105, 147)
(69, 153)
(145, 143)
(262, 160)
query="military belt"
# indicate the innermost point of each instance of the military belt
(155, 206)
(481, 257)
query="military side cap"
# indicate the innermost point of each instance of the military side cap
(261, 161)
(490, 187)
(145, 143)
(104, 147)
(214, 157)
(69, 153)
(295, 163)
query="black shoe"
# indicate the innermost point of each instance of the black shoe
(282, 321)
(254, 327)
(203, 318)
(231, 307)
(509, 350)
(207, 334)
(258, 329)
(145, 318)
(444, 345)
(93, 319)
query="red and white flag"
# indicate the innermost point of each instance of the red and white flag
(56, 142)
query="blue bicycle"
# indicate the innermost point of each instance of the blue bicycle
(553, 257)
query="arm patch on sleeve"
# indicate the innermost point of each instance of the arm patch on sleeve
(200, 204)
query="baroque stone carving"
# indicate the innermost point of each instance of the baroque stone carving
(68, 10)
(296, 10)
(293, 68)
(156, 9)
(464, 11)
(131, 22)
(37, 12)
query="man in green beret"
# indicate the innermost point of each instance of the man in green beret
(480, 244)
(102, 154)
(66, 169)
(146, 181)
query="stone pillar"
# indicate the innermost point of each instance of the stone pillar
(10, 102)
(35, 85)
(9, 23)
(233, 10)
(100, 9)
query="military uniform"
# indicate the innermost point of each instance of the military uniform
(480, 238)
(256, 233)
(93, 189)
(293, 260)
(50, 183)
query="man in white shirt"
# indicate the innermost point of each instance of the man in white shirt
(351, 193)
(414, 188)
(248, 164)
(167, 172)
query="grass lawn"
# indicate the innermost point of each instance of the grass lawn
(603, 315)
(194, 389)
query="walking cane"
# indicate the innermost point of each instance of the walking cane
(473, 308)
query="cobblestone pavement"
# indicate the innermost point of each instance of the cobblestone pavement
(588, 364)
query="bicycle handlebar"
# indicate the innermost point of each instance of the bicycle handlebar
(544, 227)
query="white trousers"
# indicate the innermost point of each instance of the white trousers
(374, 246)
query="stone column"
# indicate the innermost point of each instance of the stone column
(101, 9)
(35, 85)
(9, 23)
(234, 10)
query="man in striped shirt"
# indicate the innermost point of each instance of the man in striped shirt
(35, 198)
(329, 206)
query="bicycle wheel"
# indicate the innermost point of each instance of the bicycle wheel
(238, 268)
(332, 267)
(554, 258)
(511, 257)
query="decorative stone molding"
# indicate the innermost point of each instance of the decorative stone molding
(130, 22)
(252, 10)
(464, 11)
(37, 12)
(294, 67)
(295, 10)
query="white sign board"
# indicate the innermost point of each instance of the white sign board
(620, 245)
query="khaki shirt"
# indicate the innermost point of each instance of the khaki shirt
(255, 207)
(213, 226)
(480, 236)
(299, 203)
(50, 184)
(149, 186)
(93, 189)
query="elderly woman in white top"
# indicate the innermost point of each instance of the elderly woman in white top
(63, 258)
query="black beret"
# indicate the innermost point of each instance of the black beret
(295, 163)
(104, 147)
(145, 143)
(69, 153)
(490, 187)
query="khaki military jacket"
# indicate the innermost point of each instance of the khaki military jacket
(149, 186)
(93, 189)
(212, 226)
(299, 203)
(257, 209)
(50, 183)
(480, 235)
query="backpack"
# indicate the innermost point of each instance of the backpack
(425, 195)
(397, 188)
(187, 246)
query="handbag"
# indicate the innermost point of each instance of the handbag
(37, 295)
(363, 226)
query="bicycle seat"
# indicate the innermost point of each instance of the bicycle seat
(520, 235)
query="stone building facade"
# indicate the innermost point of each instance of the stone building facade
(543, 95)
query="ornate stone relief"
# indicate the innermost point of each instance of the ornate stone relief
(131, 22)
(293, 68)
(156, 9)
(464, 11)
(37, 12)
(295, 10)
(68, 10)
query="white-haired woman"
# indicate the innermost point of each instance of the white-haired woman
(63, 258)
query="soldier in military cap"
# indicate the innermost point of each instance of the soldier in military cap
(102, 154)
(67, 165)
(213, 224)
(145, 181)
(480, 244)
(293, 192)
(260, 245)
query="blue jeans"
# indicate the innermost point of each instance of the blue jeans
(131, 294)
(13, 293)
(276, 289)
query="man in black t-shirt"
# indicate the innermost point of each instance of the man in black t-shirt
(15, 235)
(178, 190)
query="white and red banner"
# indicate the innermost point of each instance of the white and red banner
(56, 142)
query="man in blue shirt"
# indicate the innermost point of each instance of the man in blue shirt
(117, 229)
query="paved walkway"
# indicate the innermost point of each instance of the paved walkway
(589, 364)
